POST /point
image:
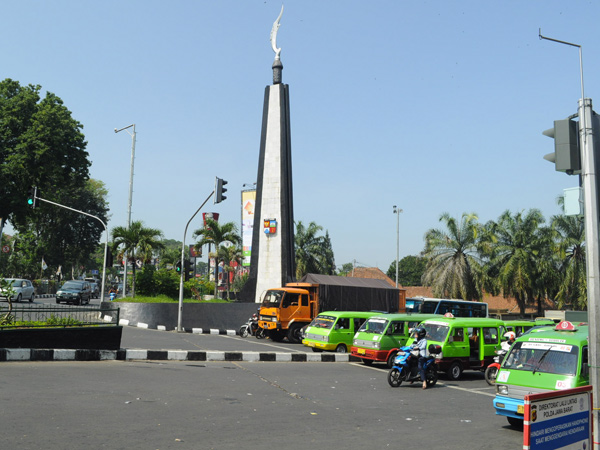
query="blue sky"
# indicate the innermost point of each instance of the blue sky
(434, 106)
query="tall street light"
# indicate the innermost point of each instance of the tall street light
(397, 211)
(132, 134)
(589, 182)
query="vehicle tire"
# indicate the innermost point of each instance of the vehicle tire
(431, 377)
(316, 350)
(394, 377)
(293, 334)
(367, 362)
(341, 349)
(517, 423)
(32, 297)
(18, 299)
(454, 371)
(260, 333)
(243, 332)
(77, 302)
(391, 358)
(58, 301)
(275, 336)
(490, 375)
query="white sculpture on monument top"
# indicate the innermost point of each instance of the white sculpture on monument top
(274, 35)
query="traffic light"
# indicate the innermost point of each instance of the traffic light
(186, 269)
(220, 190)
(178, 267)
(32, 197)
(109, 258)
(566, 156)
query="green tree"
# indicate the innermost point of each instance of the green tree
(36, 133)
(570, 250)
(453, 262)
(314, 254)
(410, 270)
(137, 241)
(520, 263)
(215, 234)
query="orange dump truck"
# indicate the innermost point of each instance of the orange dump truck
(286, 310)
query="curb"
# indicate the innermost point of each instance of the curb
(125, 322)
(34, 354)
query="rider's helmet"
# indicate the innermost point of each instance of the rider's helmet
(510, 336)
(421, 332)
(254, 316)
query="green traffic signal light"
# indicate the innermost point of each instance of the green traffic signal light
(31, 197)
(178, 267)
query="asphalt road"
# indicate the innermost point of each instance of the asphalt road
(233, 405)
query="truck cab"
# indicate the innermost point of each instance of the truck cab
(284, 311)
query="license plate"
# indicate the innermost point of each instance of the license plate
(520, 409)
(361, 351)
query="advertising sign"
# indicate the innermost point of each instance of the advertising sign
(558, 420)
(248, 203)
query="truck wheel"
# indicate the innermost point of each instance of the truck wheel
(394, 377)
(390, 360)
(341, 349)
(454, 371)
(294, 333)
(275, 336)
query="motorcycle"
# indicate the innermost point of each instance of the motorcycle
(251, 328)
(406, 368)
(492, 370)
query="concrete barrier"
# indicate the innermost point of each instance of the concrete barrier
(206, 316)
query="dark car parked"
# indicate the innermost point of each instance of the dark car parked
(75, 291)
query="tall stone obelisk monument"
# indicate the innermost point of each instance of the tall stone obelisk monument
(272, 262)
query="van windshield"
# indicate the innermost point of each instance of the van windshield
(272, 298)
(375, 326)
(542, 357)
(323, 322)
(436, 332)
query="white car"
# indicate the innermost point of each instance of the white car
(22, 290)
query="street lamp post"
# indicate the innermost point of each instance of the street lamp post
(397, 211)
(589, 182)
(132, 134)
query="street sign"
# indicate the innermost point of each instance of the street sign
(5, 249)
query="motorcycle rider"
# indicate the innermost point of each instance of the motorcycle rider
(510, 339)
(421, 345)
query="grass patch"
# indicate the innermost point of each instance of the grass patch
(164, 299)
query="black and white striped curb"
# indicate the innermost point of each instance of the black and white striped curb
(126, 322)
(33, 354)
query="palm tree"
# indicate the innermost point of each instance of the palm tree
(215, 234)
(453, 265)
(313, 253)
(570, 251)
(136, 240)
(232, 253)
(521, 263)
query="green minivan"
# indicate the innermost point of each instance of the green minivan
(545, 359)
(333, 330)
(380, 337)
(467, 343)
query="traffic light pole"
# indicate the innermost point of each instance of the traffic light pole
(105, 244)
(181, 276)
(590, 195)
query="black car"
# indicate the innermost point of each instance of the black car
(75, 292)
